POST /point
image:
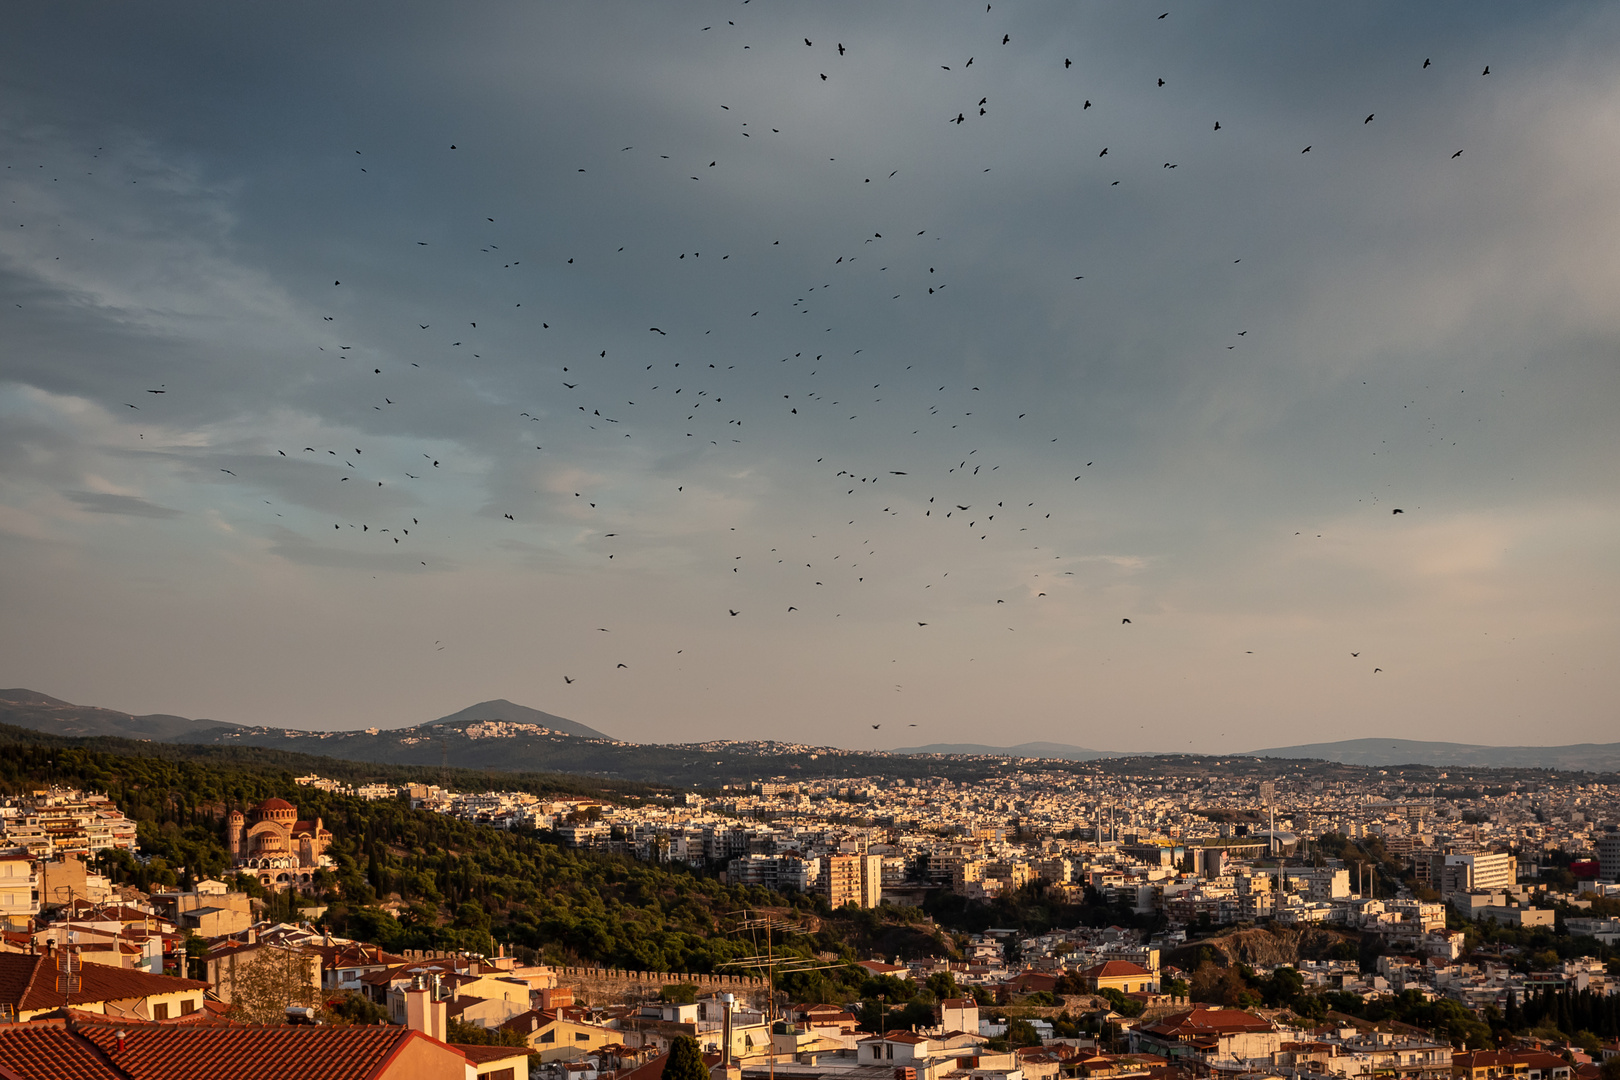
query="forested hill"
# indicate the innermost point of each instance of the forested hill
(458, 885)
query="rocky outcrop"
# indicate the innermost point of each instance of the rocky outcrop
(1260, 948)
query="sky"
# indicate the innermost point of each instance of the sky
(850, 374)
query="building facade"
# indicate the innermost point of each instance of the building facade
(273, 844)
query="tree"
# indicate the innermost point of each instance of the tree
(1022, 1033)
(679, 993)
(462, 1032)
(685, 1060)
(349, 1007)
(942, 984)
(264, 983)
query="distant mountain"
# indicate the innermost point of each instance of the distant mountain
(501, 709)
(40, 712)
(1029, 750)
(1382, 753)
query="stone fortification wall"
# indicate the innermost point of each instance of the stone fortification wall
(604, 986)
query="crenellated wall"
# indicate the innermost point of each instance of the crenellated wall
(604, 986)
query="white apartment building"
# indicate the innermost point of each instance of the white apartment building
(1479, 872)
(19, 888)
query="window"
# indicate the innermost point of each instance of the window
(582, 1036)
(498, 1074)
(160, 1011)
(187, 1007)
(548, 1036)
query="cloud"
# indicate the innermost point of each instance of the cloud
(128, 505)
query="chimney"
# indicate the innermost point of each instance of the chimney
(725, 1038)
(120, 1036)
(424, 1013)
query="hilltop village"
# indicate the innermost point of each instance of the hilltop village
(1460, 925)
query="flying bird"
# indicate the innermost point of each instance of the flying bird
(1397, 511)
(1124, 622)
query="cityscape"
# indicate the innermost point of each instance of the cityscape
(1250, 917)
(1005, 541)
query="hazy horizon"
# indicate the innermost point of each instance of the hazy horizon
(372, 258)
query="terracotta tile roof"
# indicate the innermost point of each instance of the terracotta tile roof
(28, 983)
(526, 1022)
(482, 1055)
(160, 1052)
(45, 1048)
(1113, 969)
(1205, 1023)
(356, 954)
(1028, 981)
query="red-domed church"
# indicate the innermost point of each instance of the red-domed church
(272, 844)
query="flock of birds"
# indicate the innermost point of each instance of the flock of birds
(964, 477)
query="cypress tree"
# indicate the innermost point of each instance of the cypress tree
(685, 1061)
